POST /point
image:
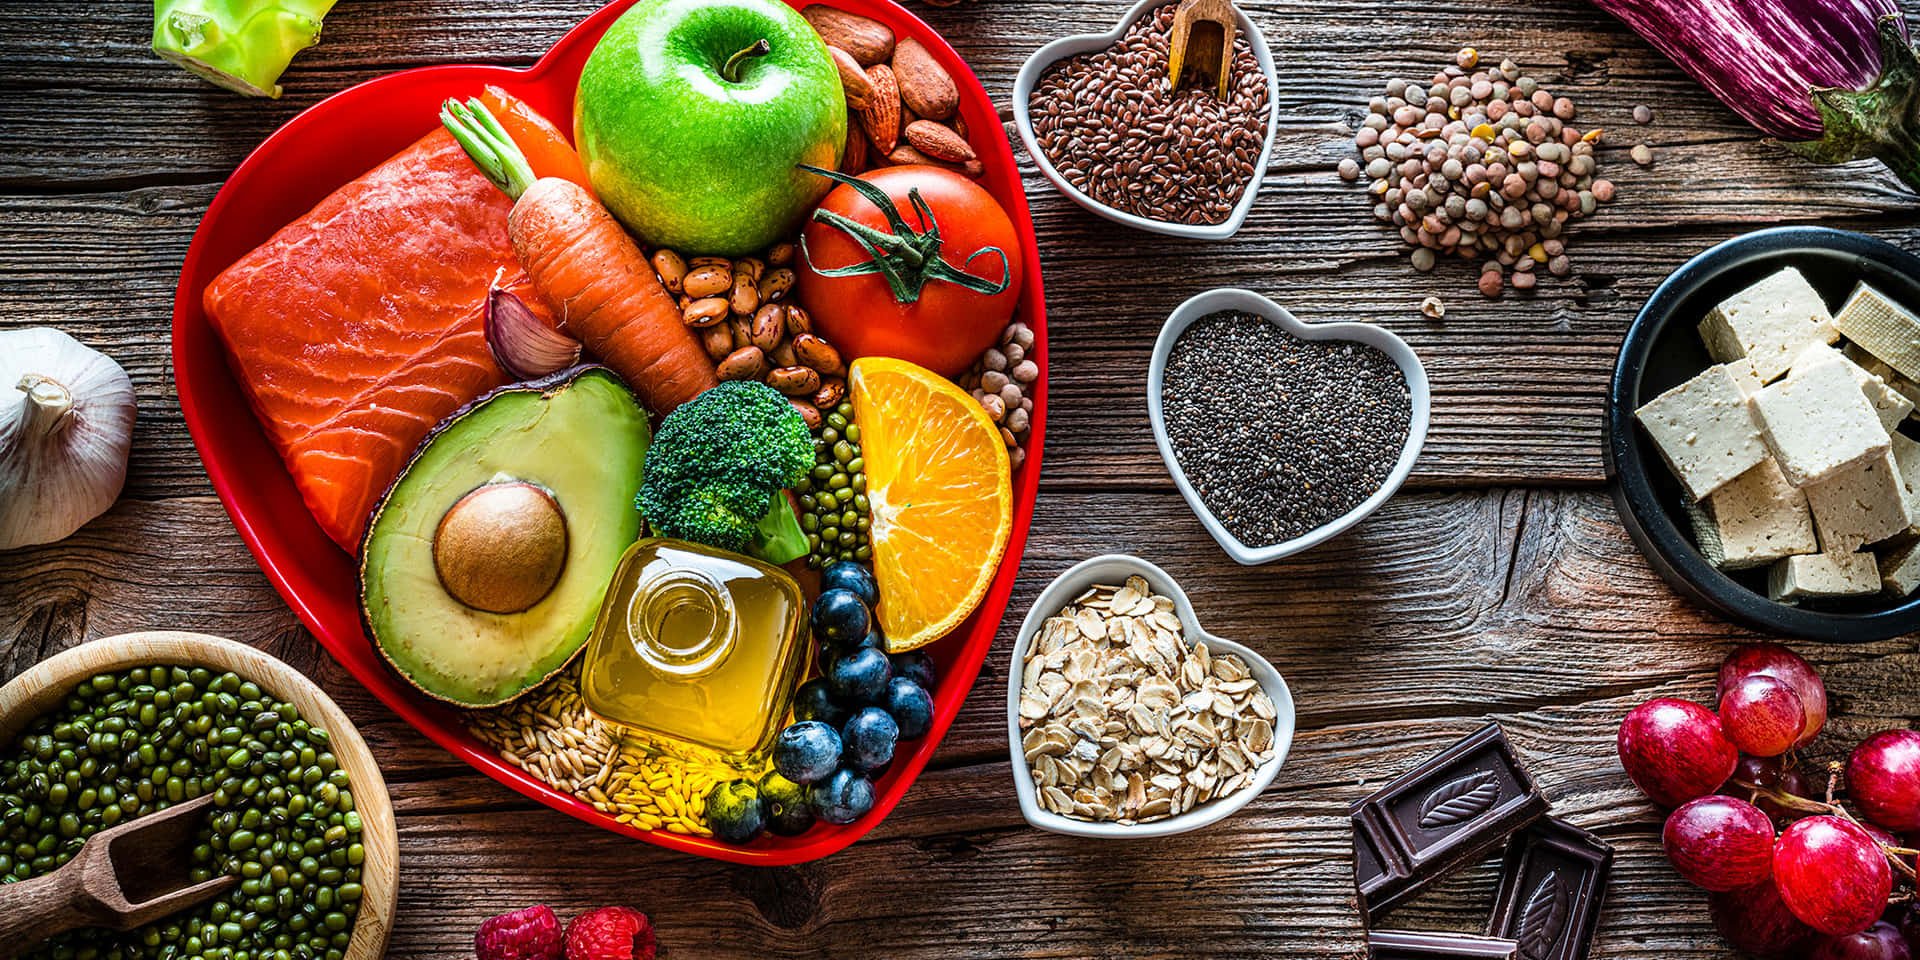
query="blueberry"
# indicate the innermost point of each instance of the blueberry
(813, 702)
(831, 650)
(840, 615)
(860, 678)
(869, 739)
(806, 752)
(910, 706)
(789, 814)
(734, 813)
(854, 577)
(915, 666)
(842, 798)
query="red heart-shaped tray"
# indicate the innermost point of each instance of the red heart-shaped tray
(349, 133)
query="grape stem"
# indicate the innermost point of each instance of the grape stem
(1830, 808)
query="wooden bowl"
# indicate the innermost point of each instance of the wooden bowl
(43, 687)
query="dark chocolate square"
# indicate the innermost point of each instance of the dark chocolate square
(1553, 882)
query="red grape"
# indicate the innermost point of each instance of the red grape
(1832, 875)
(1771, 773)
(1762, 715)
(1720, 843)
(1883, 779)
(1910, 926)
(1757, 923)
(1776, 661)
(1882, 941)
(1675, 751)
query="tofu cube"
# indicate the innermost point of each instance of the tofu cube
(1906, 459)
(1882, 328)
(1745, 377)
(1860, 505)
(1769, 323)
(1705, 430)
(1818, 423)
(1754, 520)
(1887, 402)
(1900, 570)
(1888, 375)
(1817, 575)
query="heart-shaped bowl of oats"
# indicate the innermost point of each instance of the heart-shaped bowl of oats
(1126, 719)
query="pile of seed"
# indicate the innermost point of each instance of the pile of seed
(550, 734)
(1280, 435)
(1000, 381)
(1111, 123)
(1480, 164)
(127, 744)
(833, 498)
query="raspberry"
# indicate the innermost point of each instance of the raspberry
(610, 933)
(530, 934)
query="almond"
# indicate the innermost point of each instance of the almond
(853, 162)
(869, 40)
(853, 78)
(882, 114)
(939, 141)
(925, 85)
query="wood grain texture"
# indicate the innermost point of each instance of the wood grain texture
(1501, 586)
(1529, 607)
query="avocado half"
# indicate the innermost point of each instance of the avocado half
(485, 562)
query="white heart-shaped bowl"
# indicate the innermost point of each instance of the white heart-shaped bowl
(1029, 77)
(1114, 569)
(1246, 301)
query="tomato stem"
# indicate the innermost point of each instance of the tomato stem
(906, 259)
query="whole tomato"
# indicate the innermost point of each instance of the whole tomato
(909, 296)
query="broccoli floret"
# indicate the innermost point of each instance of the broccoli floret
(717, 466)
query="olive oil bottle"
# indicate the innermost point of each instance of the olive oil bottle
(696, 652)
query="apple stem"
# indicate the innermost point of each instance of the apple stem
(731, 72)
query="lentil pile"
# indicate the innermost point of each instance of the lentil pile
(1111, 123)
(550, 734)
(1000, 381)
(127, 744)
(1280, 435)
(833, 497)
(1481, 163)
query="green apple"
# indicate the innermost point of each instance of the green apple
(692, 115)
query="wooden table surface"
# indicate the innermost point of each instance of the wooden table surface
(1497, 585)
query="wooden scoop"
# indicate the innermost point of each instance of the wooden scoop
(123, 876)
(1202, 47)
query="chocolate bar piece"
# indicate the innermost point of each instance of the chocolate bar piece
(1553, 881)
(1451, 809)
(1408, 945)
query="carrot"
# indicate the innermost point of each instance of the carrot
(547, 150)
(588, 270)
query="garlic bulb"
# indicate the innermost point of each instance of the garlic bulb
(66, 424)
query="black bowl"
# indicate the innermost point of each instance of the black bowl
(1663, 350)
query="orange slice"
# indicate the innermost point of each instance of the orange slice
(941, 494)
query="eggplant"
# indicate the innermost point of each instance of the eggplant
(1830, 80)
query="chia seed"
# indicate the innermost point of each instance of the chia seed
(1280, 435)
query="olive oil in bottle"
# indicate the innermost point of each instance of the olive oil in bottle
(696, 652)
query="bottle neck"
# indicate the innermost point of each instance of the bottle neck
(682, 622)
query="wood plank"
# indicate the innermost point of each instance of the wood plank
(1519, 383)
(1310, 242)
(1529, 607)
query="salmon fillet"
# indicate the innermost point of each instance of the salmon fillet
(357, 327)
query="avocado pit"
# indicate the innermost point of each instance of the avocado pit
(502, 547)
